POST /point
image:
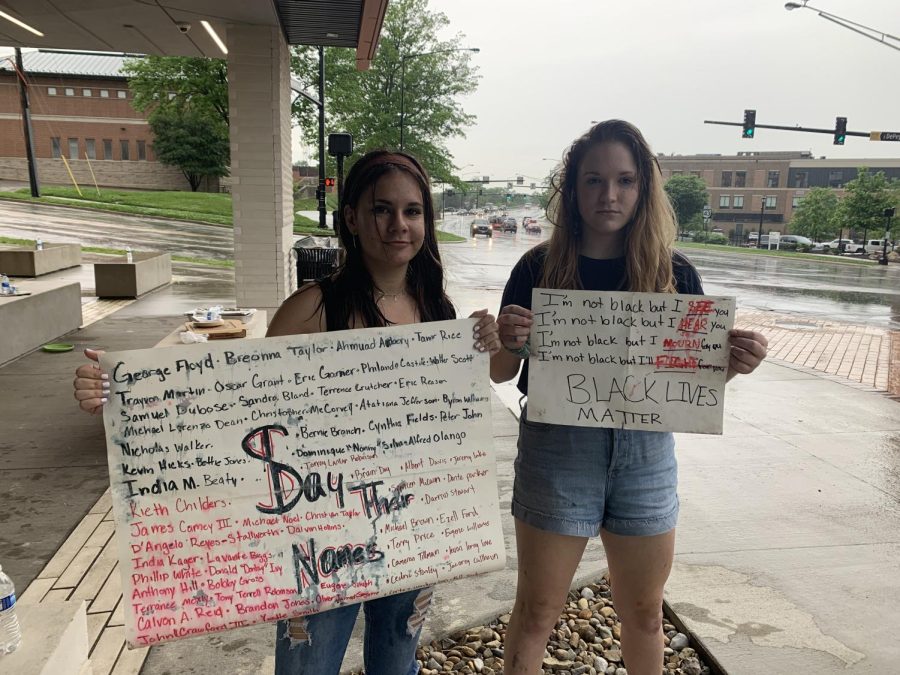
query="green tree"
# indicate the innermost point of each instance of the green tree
(367, 103)
(186, 102)
(688, 196)
(179, 83)
(192, 142)
(816, 216)
(862, 208)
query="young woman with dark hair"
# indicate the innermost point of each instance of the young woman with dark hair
(391, 275)
(614, 230)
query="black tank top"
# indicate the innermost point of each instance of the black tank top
(330, 303)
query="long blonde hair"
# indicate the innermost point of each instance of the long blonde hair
(649, 237)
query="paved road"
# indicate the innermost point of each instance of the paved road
(857, 294)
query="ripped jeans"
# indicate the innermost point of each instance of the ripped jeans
(315, 644)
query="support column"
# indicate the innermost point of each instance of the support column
(262, 188)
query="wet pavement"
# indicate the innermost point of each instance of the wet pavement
(787, 559)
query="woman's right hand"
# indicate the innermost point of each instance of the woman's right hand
(515, 326)
(91, 384)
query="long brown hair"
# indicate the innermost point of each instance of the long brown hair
(425, 275)
(649, 237)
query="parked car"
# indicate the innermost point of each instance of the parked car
(792, 241)
(482, 226)
(877, 246)
(843, 245)
(509, 225)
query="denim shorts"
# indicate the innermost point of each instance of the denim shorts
(577, 480)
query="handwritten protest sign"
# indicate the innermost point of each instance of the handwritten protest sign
(629, 360)
(265, 479)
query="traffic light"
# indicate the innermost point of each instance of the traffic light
(749, 123)
(449, 192)
(840, 130)
(520, 180)
(329, 185)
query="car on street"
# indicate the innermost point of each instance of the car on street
(509, 225)
(496, 222)
(481, 226)
(531, 226)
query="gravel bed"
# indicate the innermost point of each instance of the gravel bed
(584, 642)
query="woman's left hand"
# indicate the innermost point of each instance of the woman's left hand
(486, 333)
(748, 349)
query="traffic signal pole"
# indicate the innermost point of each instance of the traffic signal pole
(809, 130)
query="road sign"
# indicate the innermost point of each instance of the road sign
(707, 213)
(884, 136)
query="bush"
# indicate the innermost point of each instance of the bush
(710, 237)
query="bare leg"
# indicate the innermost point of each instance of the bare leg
(547, 563)
(640, 567)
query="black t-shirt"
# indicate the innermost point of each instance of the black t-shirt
(596, 275)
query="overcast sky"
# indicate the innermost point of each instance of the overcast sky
(549, 68)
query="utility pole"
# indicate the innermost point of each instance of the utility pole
(26, 124)
(320, 193)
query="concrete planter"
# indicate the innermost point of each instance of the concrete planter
(53, 309)
(122, 279)
(29, 262)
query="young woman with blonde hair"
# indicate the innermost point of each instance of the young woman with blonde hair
(614, 230)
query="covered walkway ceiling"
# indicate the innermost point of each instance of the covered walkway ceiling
(173, 28)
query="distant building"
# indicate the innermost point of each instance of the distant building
(742, 185)
(81, 110)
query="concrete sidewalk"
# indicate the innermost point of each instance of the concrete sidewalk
(788, 555)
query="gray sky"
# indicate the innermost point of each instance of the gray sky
(549, 68)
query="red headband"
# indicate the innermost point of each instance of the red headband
(396, 159)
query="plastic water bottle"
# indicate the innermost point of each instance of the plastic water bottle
(4, 285)
(128, 256)
(10, 633)
(39, 244)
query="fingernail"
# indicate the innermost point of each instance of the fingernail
(476, 334)
(103, 400)
(106, 387)
(104, 376)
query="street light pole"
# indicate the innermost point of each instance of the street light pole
(873, 34)
(888, 214)
(403, 60)
(762, 209)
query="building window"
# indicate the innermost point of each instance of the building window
(55, 150)
(90, 148)
(801, 179)
(104, 93)
(142, 150)
(772, 180)
(771, 202)
(739, 201)
(740, 179)
(121, 93)
(107, 148)
(724, 201)
(726, 179)
(51, 91)
(86, 92)
(835, 179)
(124, 147)
(73, 148)
(795, 202)
(70, 91)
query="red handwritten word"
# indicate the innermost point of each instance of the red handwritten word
(700, 307)
(670, 362)
(691, 324)
(687, 344)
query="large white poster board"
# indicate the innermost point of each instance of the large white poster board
(262, 479)
(648, 361)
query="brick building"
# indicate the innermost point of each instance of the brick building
(742, 185)
(81, 110)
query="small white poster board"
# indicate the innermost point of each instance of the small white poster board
(264, 479)
(648, 361)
